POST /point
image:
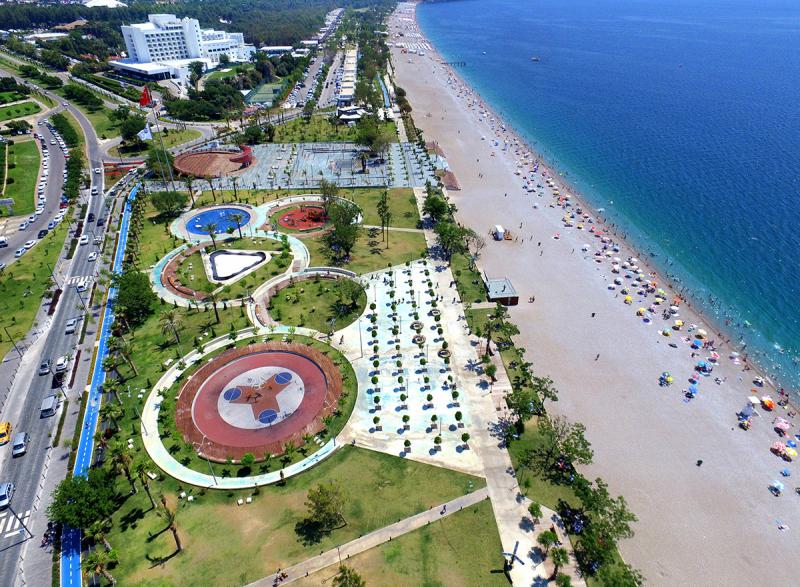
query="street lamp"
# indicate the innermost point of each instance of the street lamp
(210, 468)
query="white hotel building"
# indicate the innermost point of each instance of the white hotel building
(164, 47)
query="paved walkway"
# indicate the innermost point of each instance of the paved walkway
(373, 539)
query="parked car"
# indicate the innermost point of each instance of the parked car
(19, 446)
(5, 432)
(71, 325)
(6, 493)
(44, 367)
(61, 364)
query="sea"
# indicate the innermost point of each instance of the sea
(679, 119)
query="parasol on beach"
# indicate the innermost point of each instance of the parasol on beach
(767, 403)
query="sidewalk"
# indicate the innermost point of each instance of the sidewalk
(373, 539)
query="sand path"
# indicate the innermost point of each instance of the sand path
(710, 525)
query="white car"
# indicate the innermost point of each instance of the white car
(84, 240)
(92, 256)
(19, 252)
(61, 364)
(23, 225)
(29, 244)
(97, 170)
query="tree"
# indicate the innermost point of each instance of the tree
(112, 412)
(170, 516)
(308, 109)
(610, 516)
(620, 574)
(98, 532)
(435, 207)
(385, 214)
(122, 461)
(130, 128)
(491, 371)
(237, 218)
(325, 503)
(475, 244)
(498, 326)
(547, 539)
(169, 203)
(348, 577)
(253, 135)
(522, 402)
(135, 297)
(140, 469)
(344, 229)
(329, 191)
(97, 562)
(211, 229)
(535, 510)
(567, 440)
(81, 501)
(195, 73)
(563, 580)
(171, 322)
(450, 238)
(560, 557)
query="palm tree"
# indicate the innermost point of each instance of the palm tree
(98, 532)
(535, 510)
(212, 298)
(122, 461)
(234, 180)
(237, 218)
(190, 187)
(211, 229)
(97, 563)
(288, 451)
(140, 468)
(169, 516)
(171, 321)
(547, 539)
(560, 557)
(208, 178)
(119, 345)
(112, 412)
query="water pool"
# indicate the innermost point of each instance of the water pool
(223, 218)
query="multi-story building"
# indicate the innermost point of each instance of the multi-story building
(165, 45)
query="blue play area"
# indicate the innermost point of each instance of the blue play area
(221, 217)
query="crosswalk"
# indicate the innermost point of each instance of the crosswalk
(77, 279)
(10, 525)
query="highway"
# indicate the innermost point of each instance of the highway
(22, 407)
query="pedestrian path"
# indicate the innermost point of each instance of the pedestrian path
(373, 539)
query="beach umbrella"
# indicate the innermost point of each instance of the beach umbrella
(792, 443)
(693, 389)
(640, 312)
(791, 453)
(669, 379)
(628, 299)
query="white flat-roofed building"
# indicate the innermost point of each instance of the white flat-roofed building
(173, 43)
(347, 87)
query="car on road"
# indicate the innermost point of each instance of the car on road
(92, 256)
(51, 225)
(44, 367)
(23, 225)
(4, 240)
(20, 252)
(90, 218)
(61, 364)
(29, 244)
(2, 266)
(101, 221)
(71, 325)
(84, 239)
(97, 170)
(6, 493)
(64, 104)
(5, 432)
(42, 233)
(19, 446)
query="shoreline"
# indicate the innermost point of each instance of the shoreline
(563, 345)
(674, 282)
(726, 335)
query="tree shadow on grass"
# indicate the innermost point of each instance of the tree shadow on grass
(310, 532)
(130, 519)
(161, 560)
(151, 536)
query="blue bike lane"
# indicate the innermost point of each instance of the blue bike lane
(71, 537)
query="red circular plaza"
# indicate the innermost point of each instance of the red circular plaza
(255, 399)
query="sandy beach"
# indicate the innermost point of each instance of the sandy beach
(701, 525)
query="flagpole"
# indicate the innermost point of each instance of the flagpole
(161, 140)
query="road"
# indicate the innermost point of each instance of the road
(22, 407)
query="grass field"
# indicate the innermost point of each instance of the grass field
(21, 179)
(462, 549)
(468, 281)
(230, 545)
(319, 129)
(403, 246)
(23, 285)
(311, 303)
(196, 278)
(172, 138)
(402, 205)
(18, 110)
(6, 97)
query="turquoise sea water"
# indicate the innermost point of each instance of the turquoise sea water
(680, 118)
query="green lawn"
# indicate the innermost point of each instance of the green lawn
(310, 303)
(403, 247)
(402, 205)
(23, 285)
(195, 276)
(171, 138)
(21, 179)
(232, 70)
(319, 129)
(18, 110)
(462, 549)
(468, 281)
(226, 544)
(6, 97)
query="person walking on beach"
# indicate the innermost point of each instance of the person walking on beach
(597, 357)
